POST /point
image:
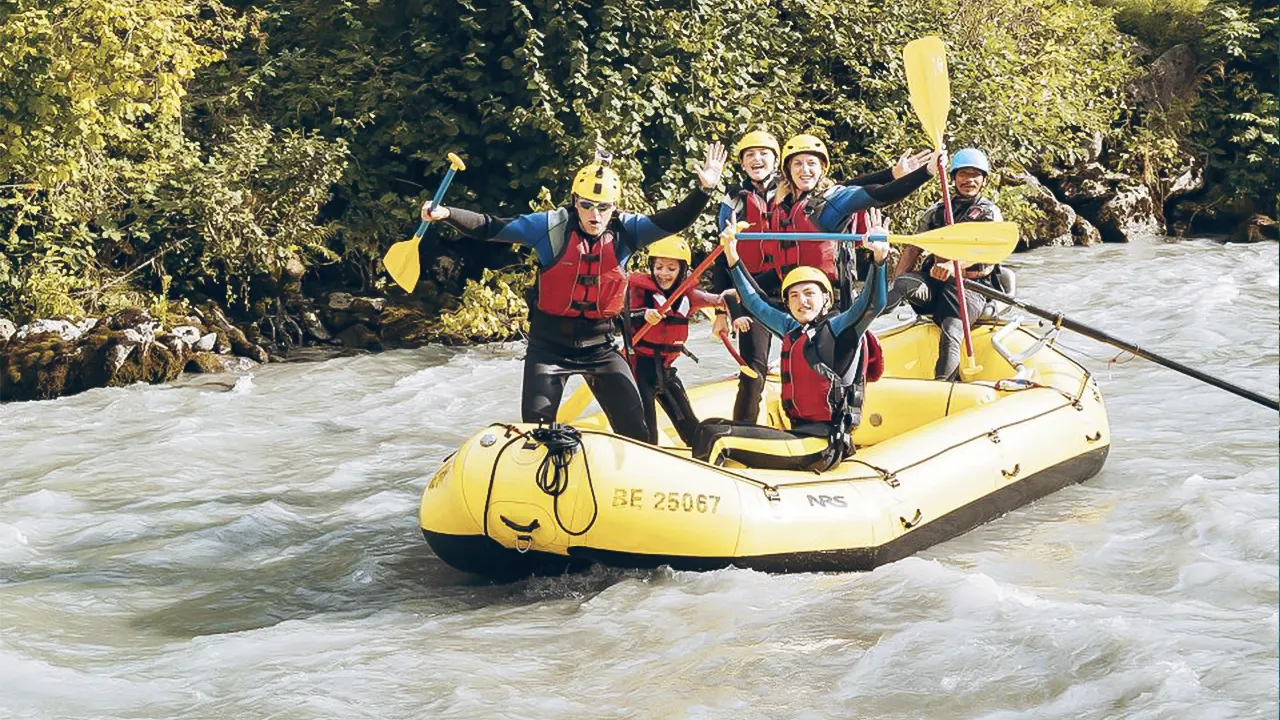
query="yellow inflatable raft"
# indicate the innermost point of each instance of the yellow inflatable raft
(933, 460)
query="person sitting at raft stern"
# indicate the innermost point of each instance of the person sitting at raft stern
(654, 355)
(582, 253)
(807, 200)
(827, 358)
(931, 290)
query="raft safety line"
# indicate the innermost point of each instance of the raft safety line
(493, 474)
(890, 476)
(770, 491)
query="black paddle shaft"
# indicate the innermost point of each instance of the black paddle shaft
(1068, 323)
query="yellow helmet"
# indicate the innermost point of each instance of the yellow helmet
(756, 139)
(804, 144)
(804, 274)
(673, 247)
(597, 182)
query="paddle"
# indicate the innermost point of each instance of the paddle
(743, 367)
(929, 85)
(970, 242)
(401, 260)
(1060, 319)
(685, 286)
(571, 408)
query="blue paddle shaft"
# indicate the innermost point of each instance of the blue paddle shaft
(842, 237)
(435, 202)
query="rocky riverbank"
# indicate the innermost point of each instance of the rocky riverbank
(1089, 201)
(49, 358)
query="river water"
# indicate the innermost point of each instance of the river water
(247, 547)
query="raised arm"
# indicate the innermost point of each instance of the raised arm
(644, 230)
(531, 230)
(778, 322)
(869, 303)
(839, 204)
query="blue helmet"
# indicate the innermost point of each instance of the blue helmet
(970, 158)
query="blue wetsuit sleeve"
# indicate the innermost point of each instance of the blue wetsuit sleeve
(529, 230)
(723, 214)
(869, 303)
(778, 322)
(840, 204)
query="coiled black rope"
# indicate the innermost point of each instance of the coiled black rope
(562, 443)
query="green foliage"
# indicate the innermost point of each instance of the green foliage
(1228, 123)
(108, 196)
(156, 149)
(525, 91)
(1161, 24)
(490, 309)
(246, 207)
(1240, 111)
(1015, 207)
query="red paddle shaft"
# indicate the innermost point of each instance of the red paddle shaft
(688, 283)
(955, 264)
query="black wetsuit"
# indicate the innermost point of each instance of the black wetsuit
(562, 346)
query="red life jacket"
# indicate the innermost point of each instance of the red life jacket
(586, 280)
(758, 256)
(668, 337)
(794, 253)
(860, 224)
(811, 391)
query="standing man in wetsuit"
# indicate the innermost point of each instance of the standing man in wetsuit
(582, 252)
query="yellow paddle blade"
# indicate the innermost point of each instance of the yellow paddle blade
(930, 87)
(570, 409)
(401, 262)
(970, 242)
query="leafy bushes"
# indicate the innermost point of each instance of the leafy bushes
(179, 147)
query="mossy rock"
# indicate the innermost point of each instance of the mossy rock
(206, 363)
(51, 379)
(404, 327)
(360, 337)
(129, 317)
(167, 365)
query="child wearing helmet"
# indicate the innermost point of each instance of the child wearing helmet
(581, 289)
(756, 202)
(653, 357)
(827, 357)
(931, 289)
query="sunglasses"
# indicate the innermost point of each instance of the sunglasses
(599, 206)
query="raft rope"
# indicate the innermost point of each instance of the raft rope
(890, 476)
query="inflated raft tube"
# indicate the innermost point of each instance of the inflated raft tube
(933, 460)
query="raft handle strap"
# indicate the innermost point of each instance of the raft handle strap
(517, 526)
